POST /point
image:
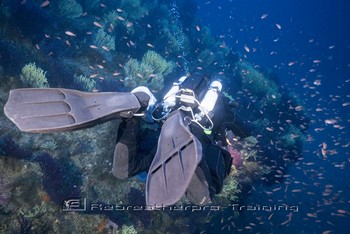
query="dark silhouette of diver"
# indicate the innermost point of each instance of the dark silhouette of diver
(130, 158)
(182, 157)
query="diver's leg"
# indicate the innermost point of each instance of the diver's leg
(210, 172)
(219, 163)
(126, 147)
(209, 176)
(201, 189)
(142, 161)
(129, 157)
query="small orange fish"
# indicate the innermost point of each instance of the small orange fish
(342, 211)
(270, 216)
(264, 16)
(105, 48)
(317, 82)
(324, 145)
(98, 24)
(44, 4)
(298, 108)
(69, 33)
(276, 189)
(132, 43)
(311, 215)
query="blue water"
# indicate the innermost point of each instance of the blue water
(310, 30)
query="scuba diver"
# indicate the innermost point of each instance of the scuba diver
(188, 157)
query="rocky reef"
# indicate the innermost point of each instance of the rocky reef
(115, 46)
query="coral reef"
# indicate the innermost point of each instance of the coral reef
(259, 85)
(237, 158)
(104, 40)
(124, 44)
(34, 76)
(62, 179)
(133, 9)
(69, 9)
(84, 83)
(292, 137)
(231, 188)
(150, 72)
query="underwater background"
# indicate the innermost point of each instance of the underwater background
(286, 63)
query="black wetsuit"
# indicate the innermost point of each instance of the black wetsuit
(136, 149)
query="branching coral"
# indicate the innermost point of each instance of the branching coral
(292, 136)
(126, 230)
(49, 145)
(111, 18)
(261, 124)
(150, 72)
(255, 82)
(84, 83)
(250, 142)
(249, 154)
(254, 170)
(157, 63)
(133, 9)
(231, 188)
(104, 40)
(70, 9)
(208, 40)
(34, 76)
(206, 57)
(90, 4)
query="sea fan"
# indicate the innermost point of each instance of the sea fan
(237, 159)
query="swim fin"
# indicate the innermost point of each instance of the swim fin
(55, 110)
(178, 154)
